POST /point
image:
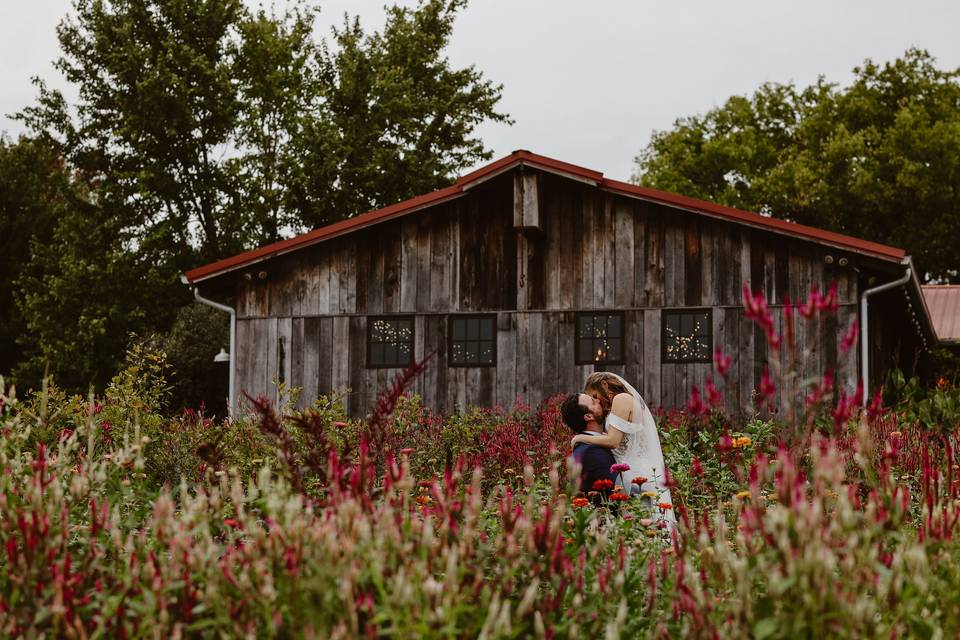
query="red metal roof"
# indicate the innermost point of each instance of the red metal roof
(463, 184)
(943, 301)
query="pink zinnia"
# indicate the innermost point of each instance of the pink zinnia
(619, 467)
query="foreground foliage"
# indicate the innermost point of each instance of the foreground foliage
(117, 521)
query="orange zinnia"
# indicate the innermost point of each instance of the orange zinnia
(619, 497)
(580, 502)
(665, 505)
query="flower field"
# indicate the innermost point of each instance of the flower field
(117, 520)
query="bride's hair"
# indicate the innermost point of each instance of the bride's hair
(606, 385)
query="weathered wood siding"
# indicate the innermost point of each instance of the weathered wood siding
(302, 318)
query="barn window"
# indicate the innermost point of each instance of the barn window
(599, 338)
(473, 341)
(389, 342)
(687, 335)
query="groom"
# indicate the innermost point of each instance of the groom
(580, 413)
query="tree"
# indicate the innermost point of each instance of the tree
(394, 119)
(203, 129)
(32, 183)
(879, 159)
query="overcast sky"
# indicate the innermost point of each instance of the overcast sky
(589, 81)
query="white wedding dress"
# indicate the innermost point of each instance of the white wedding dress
(640, 448)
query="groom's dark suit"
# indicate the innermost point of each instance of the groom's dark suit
(595, 462)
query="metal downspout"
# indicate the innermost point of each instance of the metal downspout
(865, 322)
(233, 338)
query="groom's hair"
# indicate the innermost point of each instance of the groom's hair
(573, 413)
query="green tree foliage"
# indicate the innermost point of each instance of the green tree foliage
(32, 183)
(878, 159)
(394, 119)
(82, 294)
(203, 128)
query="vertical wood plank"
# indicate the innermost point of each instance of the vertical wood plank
(390, 244)
(507, 362)
(674, 263)
(692, 264)
(584, 249)
(441, 267)
(423, 261)
(359, 402)
(710, 248)
(271, 372)
(311, 361)
(639, 255)
(408, 265)
(297, 351)
(340, 370)
(624, 253)
(651, 357)
(655, 278)
(325, 360)
(608, 238)
(550, 371)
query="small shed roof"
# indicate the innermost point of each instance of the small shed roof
(943, 301)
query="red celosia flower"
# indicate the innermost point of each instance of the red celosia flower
(714, 397)
(695, 404)
(849, 339)
(721, 362)
(766, 388)
(696, 468)
(603, 485)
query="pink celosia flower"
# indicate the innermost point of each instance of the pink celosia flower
(721, 362)
(695, 404)
(766, 388)
(849, 339)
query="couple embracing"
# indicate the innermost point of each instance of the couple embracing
(617, 440)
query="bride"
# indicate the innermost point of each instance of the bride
(632, 434)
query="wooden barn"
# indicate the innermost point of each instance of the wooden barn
(530, 273)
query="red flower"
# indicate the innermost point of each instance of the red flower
(714, 397)
(849, 339)
(603, 485)
(696, 468)
(766, 388)
(233, 523)
(721, 362)
(695, 404)
(618, 497)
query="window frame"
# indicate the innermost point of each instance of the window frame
(370, 343)
(664, 358)
(470, 316)
(576, 337)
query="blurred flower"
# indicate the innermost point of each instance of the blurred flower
(649, 494)
(721, 362)
(619, 497)
(742, 495)
(639, 480)
(742, 441)
(665, 506)
(579, 503)
(619, 467)
(407, 450)
(849, 339)
(696, 468)
(424, 500)
(603, 485)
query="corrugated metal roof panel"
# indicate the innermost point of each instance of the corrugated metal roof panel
(943, 301)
